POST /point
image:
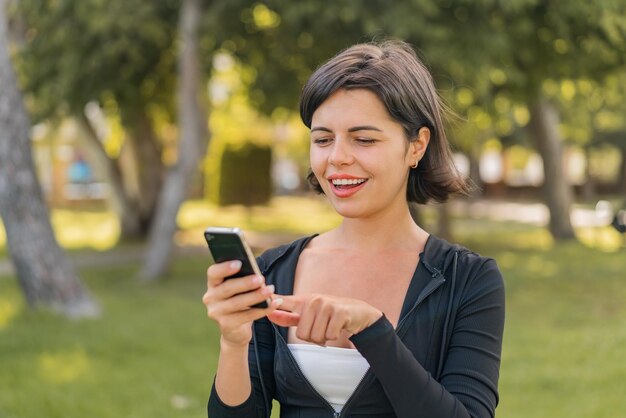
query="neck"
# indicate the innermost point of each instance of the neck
(391, 229)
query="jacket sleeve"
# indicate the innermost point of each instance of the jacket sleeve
(259, 404)
(468, 382)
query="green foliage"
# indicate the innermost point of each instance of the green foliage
(489, 58)
(594, 110)
(245, 175)
(284, 41)
(501, 53)
(238, 127)
(81, 51)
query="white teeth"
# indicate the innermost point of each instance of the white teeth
(345, 182)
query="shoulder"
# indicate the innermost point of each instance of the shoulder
(463, 265)
(479, 280)
(475, 262)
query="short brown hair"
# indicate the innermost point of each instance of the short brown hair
(393, 72)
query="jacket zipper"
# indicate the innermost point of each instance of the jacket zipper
(427, 292)
(295, 365)
(434, 285)
(356, 390)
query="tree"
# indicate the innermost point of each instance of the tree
(552, 42)
(517, 47)
(44, 272)
(191, 145)
(557, 193)
(119, 55)
(507, 49)
(605, 104)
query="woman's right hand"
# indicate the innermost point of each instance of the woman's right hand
(228, 302)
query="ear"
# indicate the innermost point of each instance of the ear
(418, 146)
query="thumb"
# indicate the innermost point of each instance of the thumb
(284, 318)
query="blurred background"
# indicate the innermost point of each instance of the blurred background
(127, 127)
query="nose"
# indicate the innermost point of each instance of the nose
(340, 154)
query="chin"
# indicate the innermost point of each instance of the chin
(349, 210)
(349, 214)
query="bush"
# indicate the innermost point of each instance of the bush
(244, 177)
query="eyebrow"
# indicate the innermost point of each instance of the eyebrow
(353, 129)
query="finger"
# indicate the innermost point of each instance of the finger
(218, 271)
(243, 301)
(307, 317)
(284, 318)
(232, 287)
(320, 324)
(335, 326)
(243, 317)
(292, 303)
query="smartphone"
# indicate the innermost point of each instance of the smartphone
(227, 244)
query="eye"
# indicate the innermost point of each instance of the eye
(321, 141)
(365, 141)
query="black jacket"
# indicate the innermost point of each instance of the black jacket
(441, 361)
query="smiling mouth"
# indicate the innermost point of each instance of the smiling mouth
(343, 184)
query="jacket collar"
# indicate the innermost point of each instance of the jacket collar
(268, 258)
(437, 256)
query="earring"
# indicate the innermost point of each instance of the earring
(416, 163)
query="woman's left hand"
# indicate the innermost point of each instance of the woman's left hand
(321, 318)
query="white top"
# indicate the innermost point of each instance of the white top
(334, 372)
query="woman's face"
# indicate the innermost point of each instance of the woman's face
(360, 155)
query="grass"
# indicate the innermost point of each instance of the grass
(99, 229)
(564, 336)
(153, 352)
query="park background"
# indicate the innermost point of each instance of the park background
(149, 121)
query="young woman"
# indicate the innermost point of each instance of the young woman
(376, 317)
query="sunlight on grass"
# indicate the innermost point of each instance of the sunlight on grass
(297, 215)
(97, 230)
(3, 238)
(101, 231)
(8, 310)
(604, 238)
(300, 215)
(538, 239)
(63, 367)
(74, 229)
(506, 234)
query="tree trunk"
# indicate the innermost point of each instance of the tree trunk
(191, 147)
(118, 200)
(145, 152)
(544, 120)
(143, 171)
(45, 274)
(150, 164)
